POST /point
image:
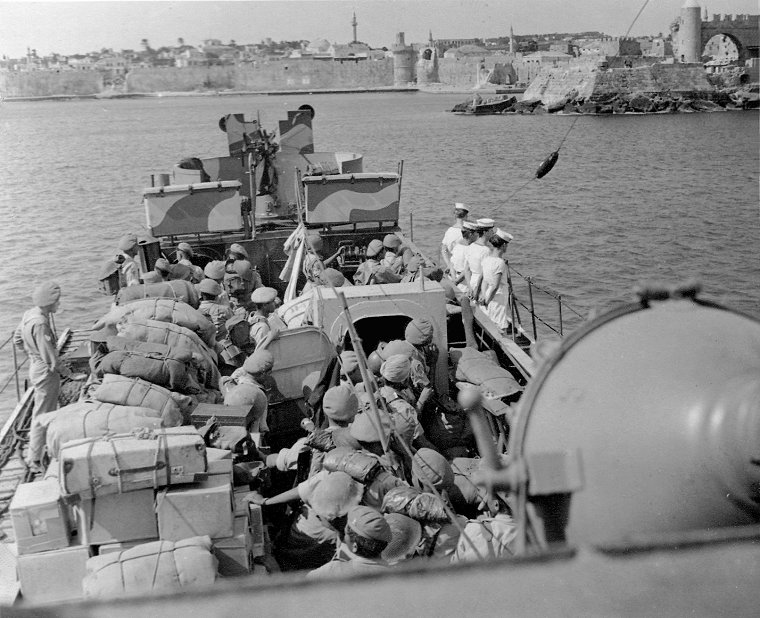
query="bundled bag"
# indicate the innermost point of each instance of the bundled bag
(128, 462)
(164, 310)
(90, 419)
(171, 372)
(413, 503)
(125, 391)
(476, 368)
(360, 466)
(175, 336)
(158, 566)
(177, 289)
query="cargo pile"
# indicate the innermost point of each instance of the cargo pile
(135, 498)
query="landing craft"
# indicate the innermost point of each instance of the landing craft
(636, 439)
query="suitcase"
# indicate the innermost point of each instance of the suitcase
(231, 416)
(122, 463)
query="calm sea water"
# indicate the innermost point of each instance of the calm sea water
(662, 197)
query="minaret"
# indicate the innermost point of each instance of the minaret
(354, 23)
(511, 40)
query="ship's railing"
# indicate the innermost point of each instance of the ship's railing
(540, 302)
(18, 364)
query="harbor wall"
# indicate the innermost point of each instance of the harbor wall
(50, 83)
(555, 84)
(280, 75)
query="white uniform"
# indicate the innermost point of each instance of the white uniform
(475, 254)
(497, 309)
(450, 238)
(458, 258)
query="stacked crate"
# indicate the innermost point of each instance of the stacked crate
(102, 497)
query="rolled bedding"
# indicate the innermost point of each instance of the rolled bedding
(178, 289)
(90, 419)
(159, 566)
(168, 310)
(125, 391)
(175, 336)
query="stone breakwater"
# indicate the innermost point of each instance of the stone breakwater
(658, 88)
(633, 103)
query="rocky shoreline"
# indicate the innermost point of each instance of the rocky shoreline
(619, 103)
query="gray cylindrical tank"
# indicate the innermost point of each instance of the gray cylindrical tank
(690, 32)
(663, 406)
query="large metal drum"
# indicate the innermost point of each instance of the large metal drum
(661, 405)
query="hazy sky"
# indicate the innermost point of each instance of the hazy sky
(78, 27)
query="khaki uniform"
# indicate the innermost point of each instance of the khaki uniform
(34, 335)
(218, 314)
(260, 328)
(365, 271)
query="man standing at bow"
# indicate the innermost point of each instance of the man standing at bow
(35, 336)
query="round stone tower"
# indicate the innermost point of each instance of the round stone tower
(690, 32)
(403, 61)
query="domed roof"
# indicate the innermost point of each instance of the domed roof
(319, 44)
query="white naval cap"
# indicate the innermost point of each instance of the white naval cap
(461, 206)
(505, 236)
(485, 223)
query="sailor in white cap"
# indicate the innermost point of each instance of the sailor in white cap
(129, 270)
(35, 337)
(494, 292)
(475, 253)
(261, 331)
(454, 233)
(486, 224)
(458, 260)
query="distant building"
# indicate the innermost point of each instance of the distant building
(116, 63)
(467, 50)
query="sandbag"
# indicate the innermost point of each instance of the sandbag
(123, 463)
(476, 368)
(178, 289)
(163, 310)
(175, 336)
(157, 566)
(90, 419)
(153, 367)
(125, 391)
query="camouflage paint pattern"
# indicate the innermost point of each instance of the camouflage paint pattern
(352, 198)
(240, 132)
(296, 134)
(192, 209)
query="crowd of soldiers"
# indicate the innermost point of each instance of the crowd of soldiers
(390, 462)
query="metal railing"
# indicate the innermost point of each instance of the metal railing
(14, 377)
(532, 306)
